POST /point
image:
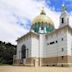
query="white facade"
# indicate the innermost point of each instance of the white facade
(31, 43)
(35, 47)
(55, 44)
(44, 45)
(22, 42)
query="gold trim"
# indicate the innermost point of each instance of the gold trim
(42, 18)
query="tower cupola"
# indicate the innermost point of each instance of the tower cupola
(64, 17)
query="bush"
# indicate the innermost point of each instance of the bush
(7, 50)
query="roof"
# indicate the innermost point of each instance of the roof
(29, 33)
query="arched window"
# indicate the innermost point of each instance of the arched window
(42, 28)
(23, 52)
(62, 20)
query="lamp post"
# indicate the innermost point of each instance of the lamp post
(27, 52)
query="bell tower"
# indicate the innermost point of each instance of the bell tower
(64, 18)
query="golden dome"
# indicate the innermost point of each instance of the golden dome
(42, 18)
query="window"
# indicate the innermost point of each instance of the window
(62, 57)
(62, 20)
(42, 22)
(62, 39)
(38, 22)
(51, 42)
(62, 49)
(56, 41)
(42, 28)
(47, 43)
(35, 30)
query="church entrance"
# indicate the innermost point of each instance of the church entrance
(23, 54)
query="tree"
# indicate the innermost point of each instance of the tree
(7, 50)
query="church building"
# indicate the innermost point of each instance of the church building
(44, 45)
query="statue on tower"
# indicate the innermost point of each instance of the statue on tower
(64, 7)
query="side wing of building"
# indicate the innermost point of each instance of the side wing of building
(27, 48)
(59, 46)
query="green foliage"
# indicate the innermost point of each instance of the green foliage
(7, 50)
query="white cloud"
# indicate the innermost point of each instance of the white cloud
(9, 29)
(10, 32)
(54, 16)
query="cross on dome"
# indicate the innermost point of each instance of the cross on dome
(42, 11)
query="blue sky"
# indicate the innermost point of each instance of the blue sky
(16, 15)
(58, 3)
